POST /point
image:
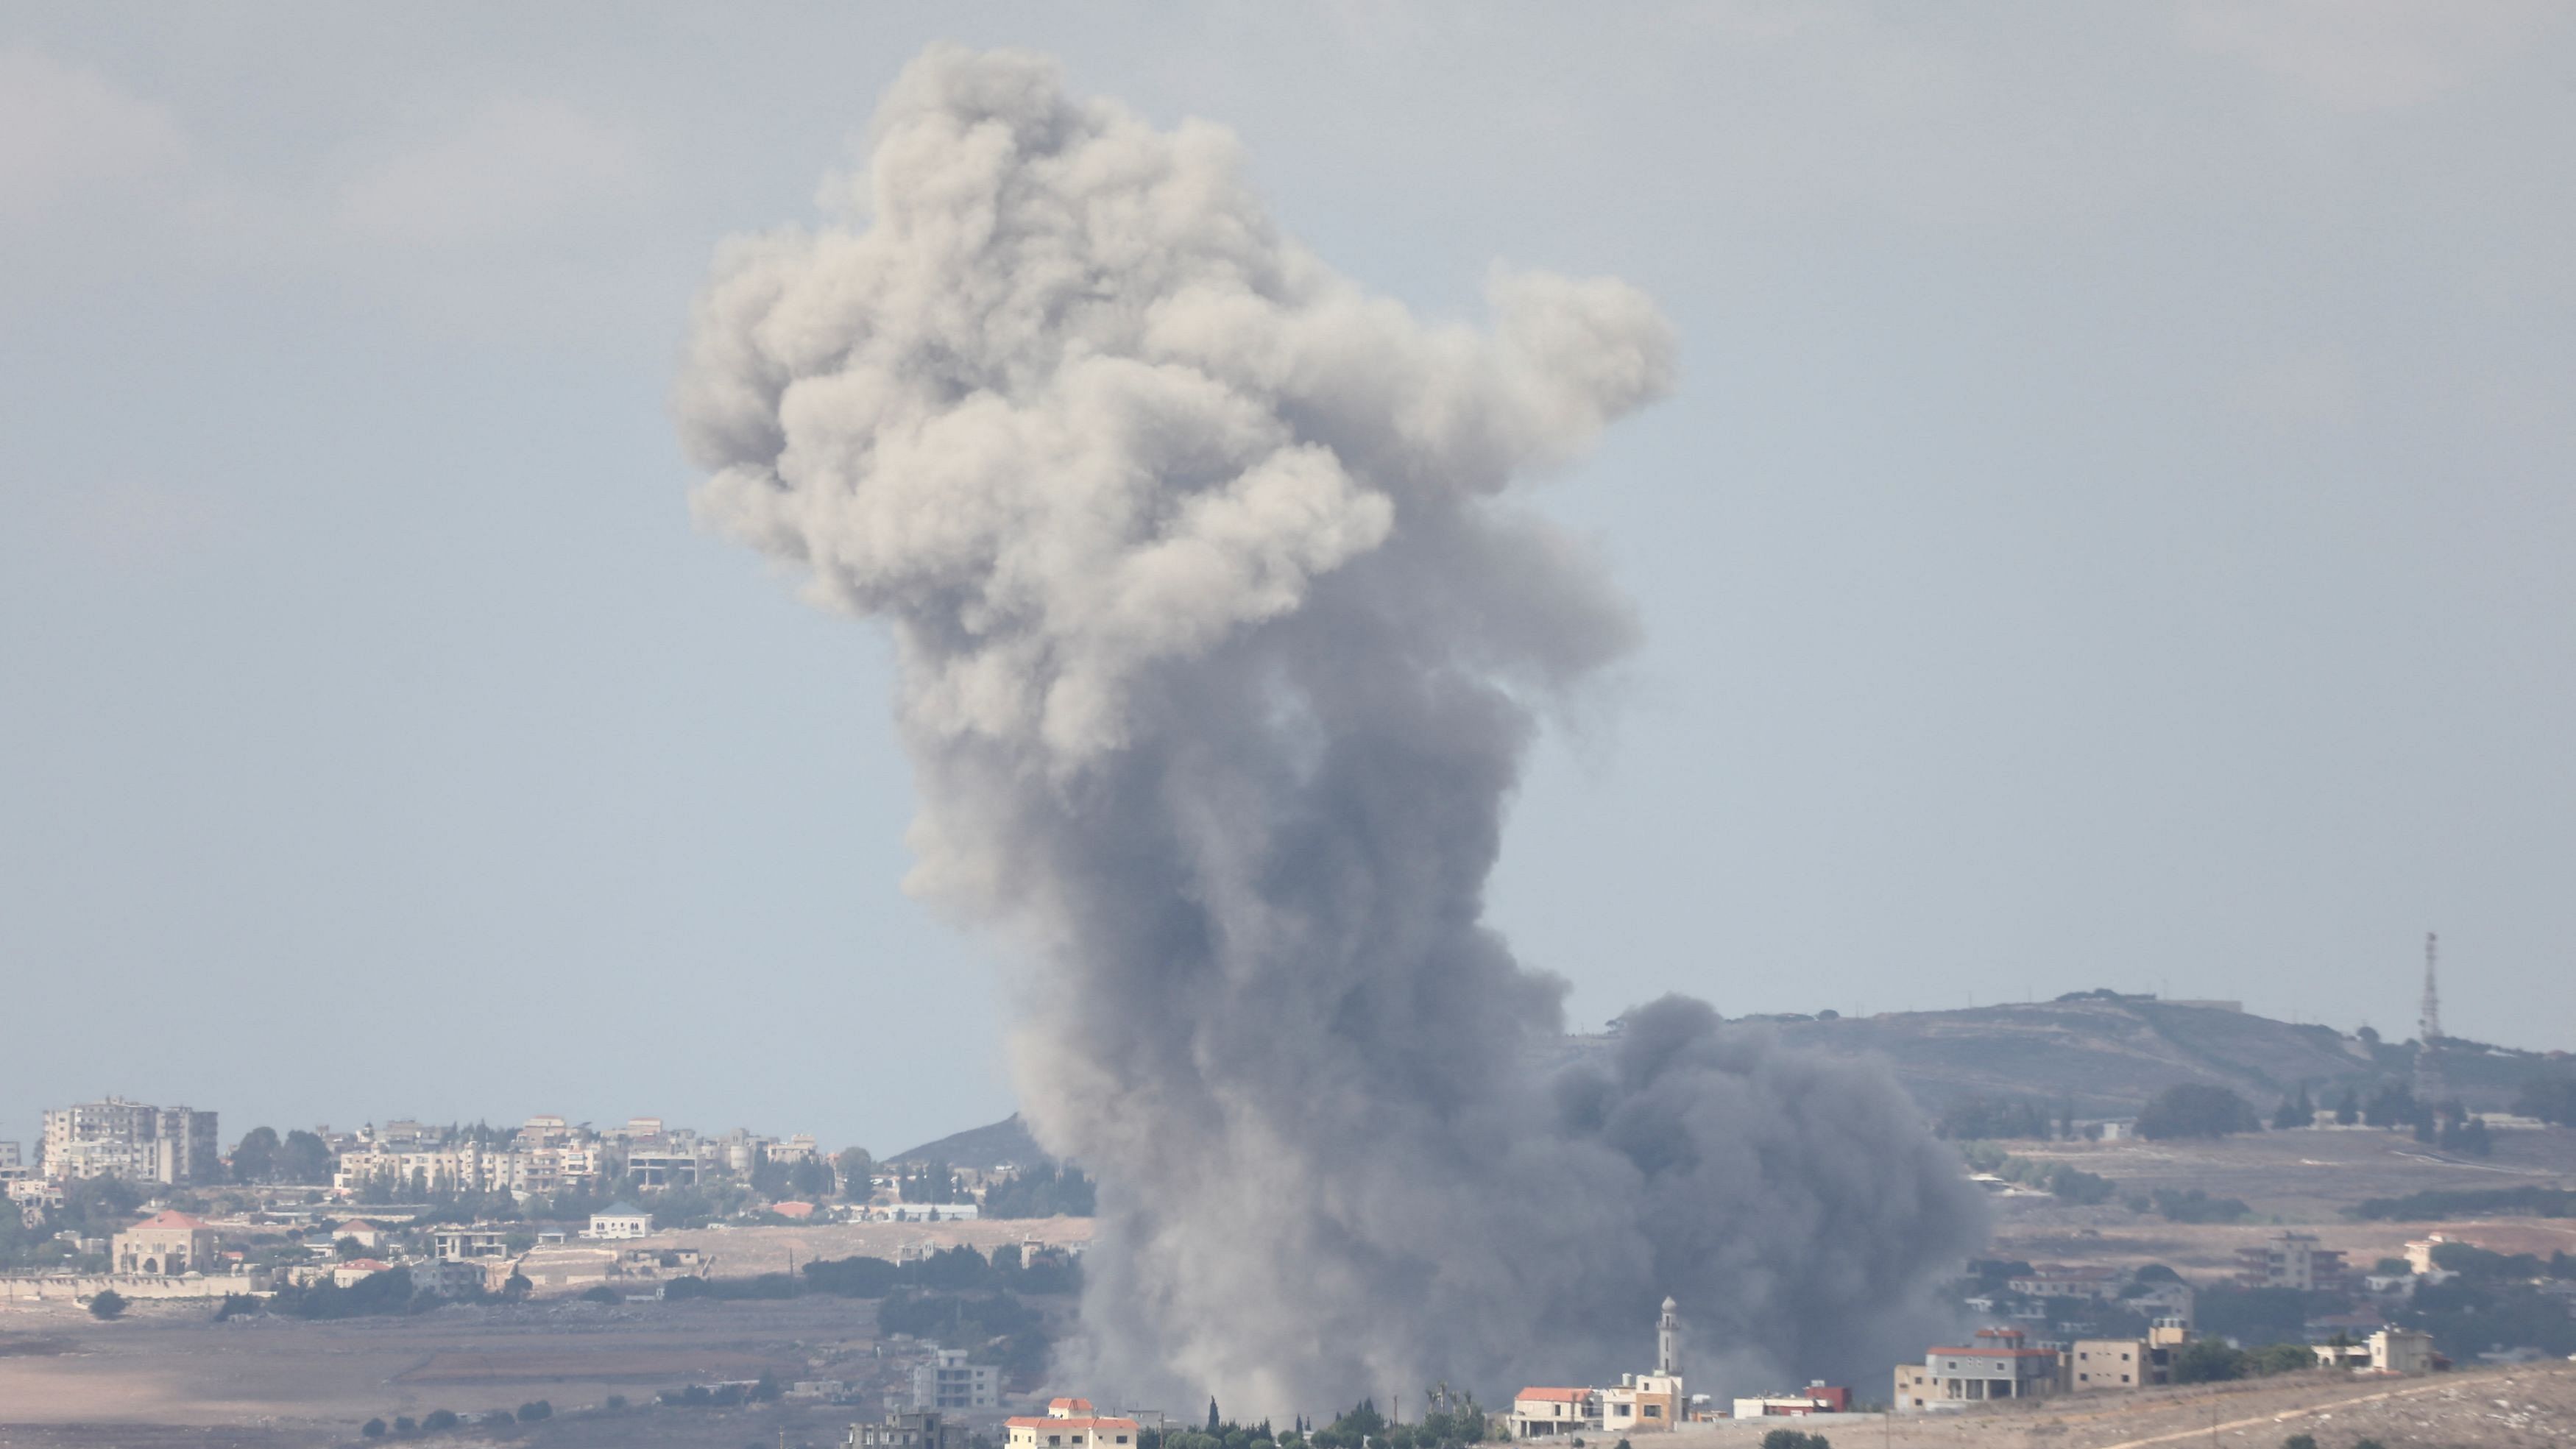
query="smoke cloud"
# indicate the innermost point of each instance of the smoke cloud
(1222, 632)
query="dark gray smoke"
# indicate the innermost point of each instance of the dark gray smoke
(1223, 633)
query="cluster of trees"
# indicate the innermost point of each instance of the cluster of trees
(721, 1396)
(1454, 1422)
(2309, 1441)
(1794, 1439)
(442, 1421)
(262, 1157)
(2210, 1360)
(1987, 1119)
(2196, 1109)
(2069, 1184)
(2193, 1205)
(2549, 1098)
(1046, 1191)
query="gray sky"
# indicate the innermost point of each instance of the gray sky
(2113, 528)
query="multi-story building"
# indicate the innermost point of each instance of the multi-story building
(1999, 1364)
(1070, 1424)
(9, 1159)
(911, 1429)
(2291, 1260)
(118, 1138)
(620, 1220)
(948, 1382)
(2061, 1280)
(459, 1243)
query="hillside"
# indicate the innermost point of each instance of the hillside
(2105, 1057)
(1006, 1141)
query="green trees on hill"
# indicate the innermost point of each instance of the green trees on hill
(2196, 1109)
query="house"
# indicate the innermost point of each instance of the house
(950, 1383)
(1818, 1397)
(619, 1220)
(2123, 1363)
(1999, 1364)
(1542, 1413)
(1070, 1424)
(453, 1279)
(169, 1243)
(367, 1233)
(357, 1270)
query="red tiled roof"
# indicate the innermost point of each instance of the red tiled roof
(1571, 1396)
(1081, 1405)
(1051, 1422)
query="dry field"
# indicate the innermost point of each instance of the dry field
(2531, 1407)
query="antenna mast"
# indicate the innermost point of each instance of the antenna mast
(2429, 1087)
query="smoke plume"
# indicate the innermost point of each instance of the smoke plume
(1222, 633)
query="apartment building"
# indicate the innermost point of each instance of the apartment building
(132, 1140)
(1998, 1364)
(949, 1383)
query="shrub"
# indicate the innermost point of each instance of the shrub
(1790, 1439)
(373, 1428)
(405, 1426)
(439, 1421)
(2300, 1441)
(108, 1304)
(601, 1294)
(534, 1410)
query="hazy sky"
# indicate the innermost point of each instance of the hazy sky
(2114, 526)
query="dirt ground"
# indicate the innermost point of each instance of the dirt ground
(2531, 1407)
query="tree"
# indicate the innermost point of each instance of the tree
(373, 1428)
(2348, 1108)
(405, 1426)
(535, 1410)
(2207, 1361)
(349, 1250)
(1215, 1425)
(2551, 1099)
(438, 1421)
(108, 1304)
(1790, 1439)
(2300, 1441)
(2295, 1112)
(255, 1156)
(2196, 1109)
(857, 1167)
(809, 1178)
(304, 1158)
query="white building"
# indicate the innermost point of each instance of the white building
(118, 1138)
(619, 1220)
(949, 1383)
(1071, 1424)
(1541, 1412)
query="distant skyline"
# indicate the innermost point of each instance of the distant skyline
(2110, 529)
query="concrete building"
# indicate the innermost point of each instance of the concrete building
(1818, 1397)
(913, 1429)
(1539, 1412)
(118, 1138)
(169, 1243)
(9, 1159)
(453, 1279)
(2401, 1351)
(1070, 1424)
(462, 1244)
(2062, 1280)
(619, 1220)
(2291, 1260)
(950, 1384)
(2125, 1363)
(2000, 1364)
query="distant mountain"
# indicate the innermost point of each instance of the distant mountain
(981, 1147)
(2106, 1055)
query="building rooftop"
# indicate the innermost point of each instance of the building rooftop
(1568, 1396)
(170, 1219)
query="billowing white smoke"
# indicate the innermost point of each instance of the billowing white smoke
(1221, 635)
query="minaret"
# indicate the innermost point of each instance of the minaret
(1668, 1341)
(2429, 1087)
